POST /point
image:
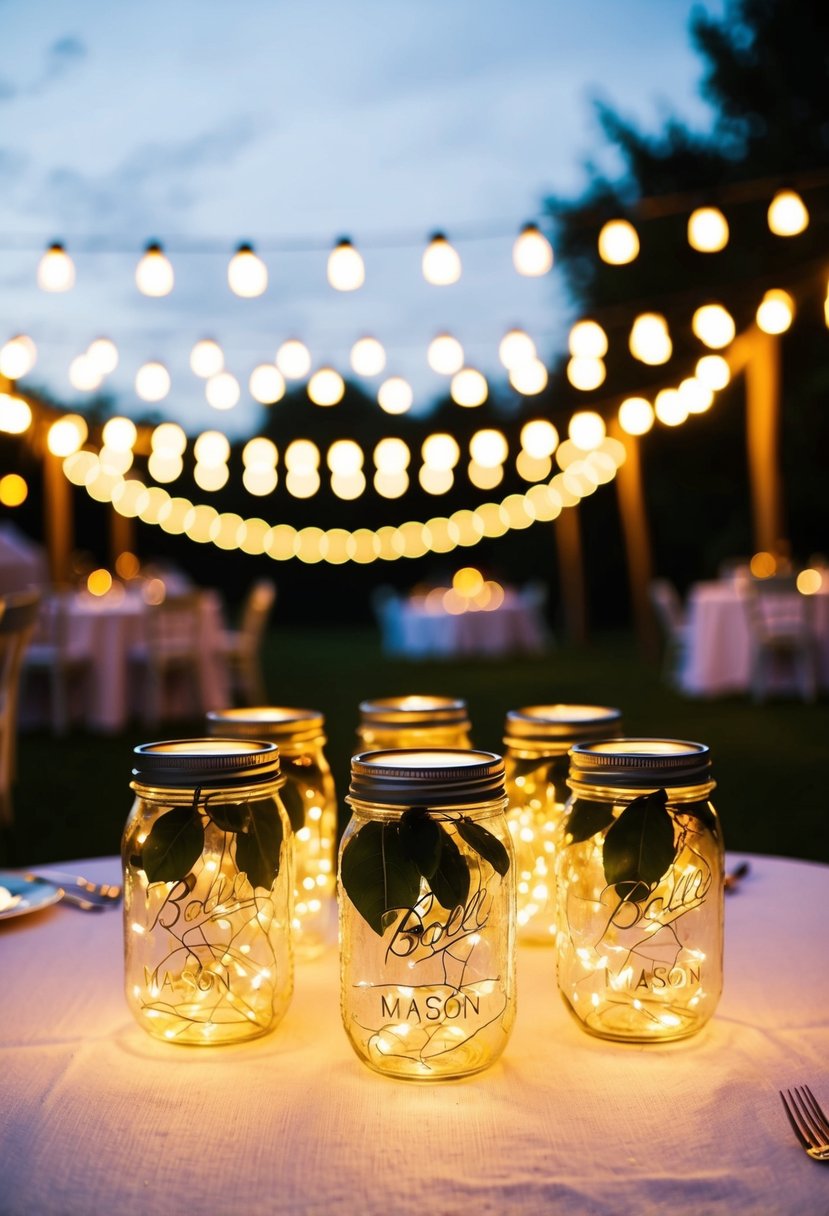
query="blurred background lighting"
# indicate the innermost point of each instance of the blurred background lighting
(293, 359)
(787, 214)
(247, 275)
(56, 270)
(469, 387)
(206, 358)
(346, 271)
(368, 358)
(326, 387)
(154, 273)
(445, 355)
(395, 395)
(441, 263)
(618, 243)
(707, 230)
(152, 381)
(532, 253)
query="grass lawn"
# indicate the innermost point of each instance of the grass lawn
(72, 795)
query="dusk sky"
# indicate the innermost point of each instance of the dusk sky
(286, 123)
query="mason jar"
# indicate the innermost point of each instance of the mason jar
(207, 891)
(311, 802)
(427, 913)
(536, 742)
(640, 890)
(413, 721)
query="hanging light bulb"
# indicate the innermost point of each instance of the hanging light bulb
(392, 455)
(346, 271)
(441, 263)
(168, 439)
(787, 215)
(120, 434)
(636, 416)
(585, 373)
(212, 448)
(588, 340)
(206, 358)
(515, 349)
(587, 430)
(539, 438)
(222, 391)
(532, 253)
(695, 396)
(713, 371)
(67, 435)
(367, 357)
(445, 355)
(104, 354)
(345, 458)
(15, 414)
(247, 275)
(650, 341)
(326, 387)
(707, 230)
(714, 326)
(776, 312)
(17, 357)
(395, 395)
(469, 387)
(618, 243)
(488, 448)
(259, 453)
(154, 273)
(530, 378)
(440, 451)
(266, 384)
(83, 374)
(152, 382)
(669, 407)
(56, 270)
(293, 359)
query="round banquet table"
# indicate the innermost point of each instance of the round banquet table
(96, 1117)
(426, 631)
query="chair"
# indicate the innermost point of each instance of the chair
(52, 654)
(17, 623)
(667, 607)
(242, 647)
(172, 651)
(782, 637)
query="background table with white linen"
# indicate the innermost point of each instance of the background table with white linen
(426, 630)
(717, 658)
(97, 1118)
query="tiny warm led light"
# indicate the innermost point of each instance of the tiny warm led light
(56, 270)
(391, 484)
(99, 582)
(441, 263)
(302, 484)
(206, 358)
(302, 456)
(346, 271)
(618, 243)
(809, 581)
(435, 481)
(713, 371)
(392, 455)
(168, 438)
(713, 325)
(532, 468)
(127, 565)
(368, 358)
(395, 395)
(468, 581)
(440, 451)
(763, 565)
(588, 340)
(787, 215)
(259, 453)
(104, 354)
(445, 355)
(154, 273)
(326, 387)
(17, 357)
(348, 486)
(586, 430)
(695, 396)
(707, 230)
(636, 416)
(776, 312)
(650, 341)
(266, 384)
(164, 466)
(485, 477)
(152, 381)
(260, 481)
(585, 373)
(210, 477)
(15, 414)
(212, 448)
(515, 349)
(84, 374)
(530, 378)
(488, 448)
(539, 438)
(13, 490)
(469, 387)
(67, 435)
(345, 458)
(293, 359)
(247, 275)
(669, 407)
(222, 391)
(532, 253)
(120, 434)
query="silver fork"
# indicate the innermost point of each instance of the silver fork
(809, 1124)
(102, 893)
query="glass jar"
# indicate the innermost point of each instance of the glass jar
(536, 742)
(640, 890)
(311, 802)
(207, 891)
(427, 913)
(391, 722)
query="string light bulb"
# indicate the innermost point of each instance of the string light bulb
(440, 451)
(222, 391)
(586, 430)
(206, 358)
(368, 358)
(67, 435)
(326, 387)
(104, 354)
(293, 359)
(530, 378)
(152, 381)
(247, 274)
(707, 230)
(345, 458)
(445, 355)
(56, 270)
(539, 438)
(532, 253)
(441, 262)
(169, 439)
(636, 416)
(587, 340)
(83, 374)
(119, 434)
(488, 448)
(154, 272)
(469, 388)
(714, 326)
(17, 357)
(515, 349)
(391, 455)
(787, 214)
(650, 341)
(585, 373)
(776, 312)
(713, 371)
(669, 407)
(618, 243)
(346, 271)
(212, 448)
(266, 384)
(395, 395)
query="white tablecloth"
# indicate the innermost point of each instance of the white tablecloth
(717, 659)
(97, 1118)
(426, 631)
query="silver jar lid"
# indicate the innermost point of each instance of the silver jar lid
(640, 763)
(435, 776)
(206, 763)
(414, 713)
(278, 723)
(561, 724)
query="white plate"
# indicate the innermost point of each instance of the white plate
(25, 896)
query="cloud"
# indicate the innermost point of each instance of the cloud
(61, 57)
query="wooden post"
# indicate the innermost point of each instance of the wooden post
(59, 518)
(636, 533)
(763, 439)
(121, 535)
(571, 574)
